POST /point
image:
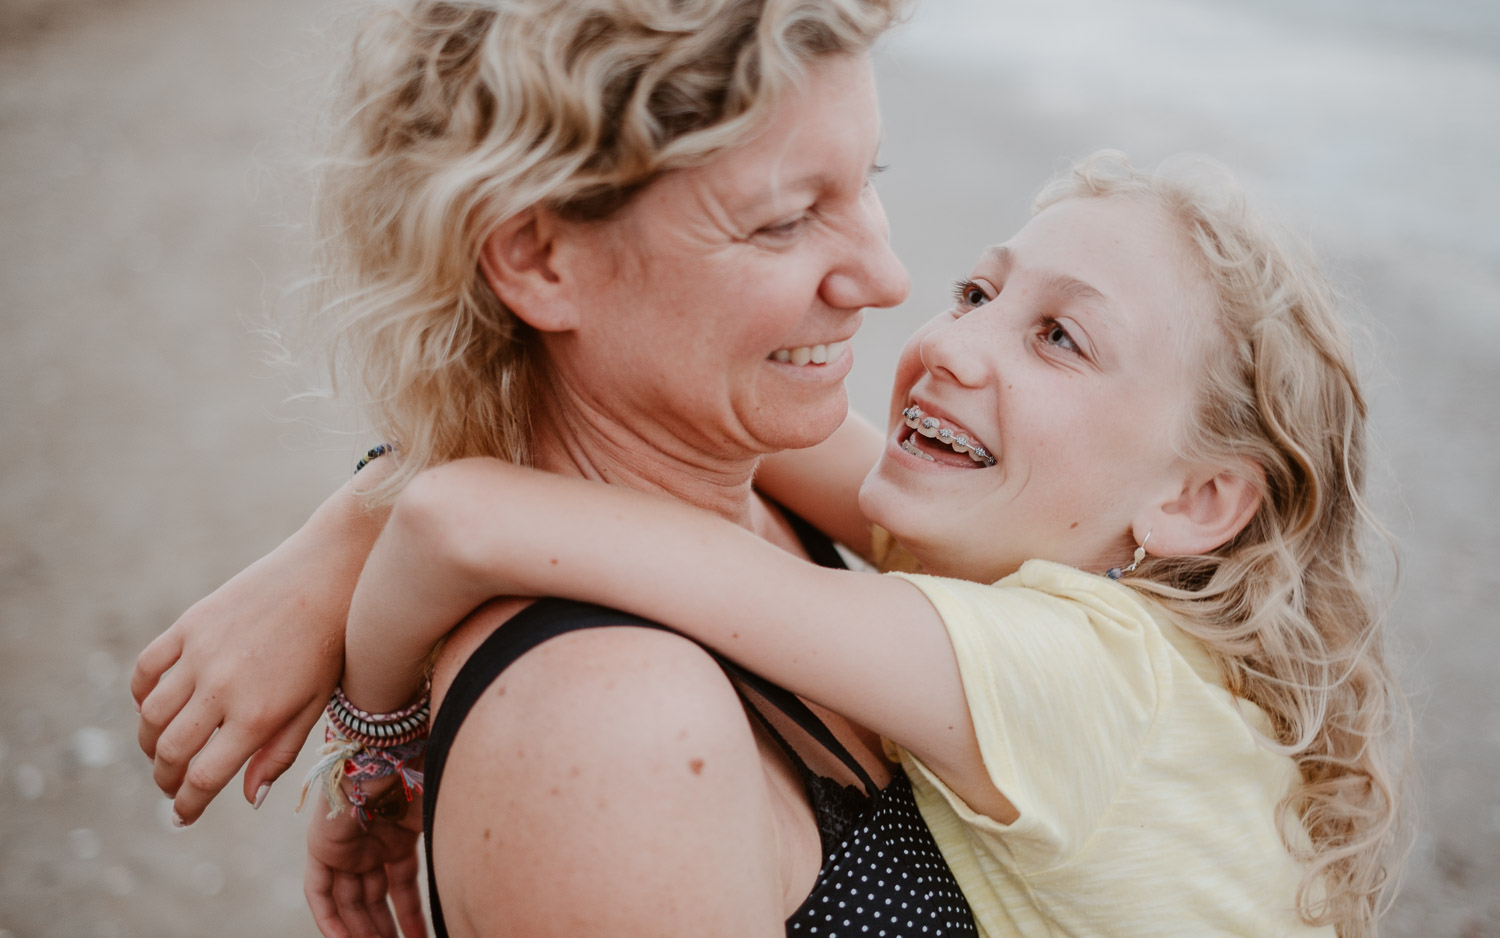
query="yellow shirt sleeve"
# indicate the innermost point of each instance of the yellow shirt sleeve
(1063, 692)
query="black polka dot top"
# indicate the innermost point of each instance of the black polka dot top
(882, 873)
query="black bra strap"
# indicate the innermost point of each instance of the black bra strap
(820, 549)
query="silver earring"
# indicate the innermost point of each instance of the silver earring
(1140, 554)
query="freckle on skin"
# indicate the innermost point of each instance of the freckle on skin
(696, 765)
(555, 791)
(1073, 525)
(553, 561)
(486, 833)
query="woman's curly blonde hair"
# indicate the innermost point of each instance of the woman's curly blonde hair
(1288, 608)
(457, 114)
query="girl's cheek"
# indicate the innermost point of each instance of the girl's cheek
(908, 371)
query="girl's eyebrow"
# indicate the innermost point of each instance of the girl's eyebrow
(1069, 286)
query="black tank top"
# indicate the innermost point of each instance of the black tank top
(882, 873)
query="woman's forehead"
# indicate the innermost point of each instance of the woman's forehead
(824, 134)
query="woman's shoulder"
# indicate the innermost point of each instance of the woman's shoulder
(586, 662)
(596, 765)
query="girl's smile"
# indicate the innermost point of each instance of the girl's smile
(1060, 374)
(946, 441)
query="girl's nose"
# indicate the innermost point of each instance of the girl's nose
(954, 351)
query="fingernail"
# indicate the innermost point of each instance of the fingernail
(177, 820)
(261, 793)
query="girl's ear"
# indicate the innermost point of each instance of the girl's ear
(518, 262)
(1212, 507)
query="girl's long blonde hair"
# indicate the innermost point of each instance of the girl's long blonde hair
(457, 114)
(1288, 608)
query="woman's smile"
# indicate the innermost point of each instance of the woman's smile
(810, 354)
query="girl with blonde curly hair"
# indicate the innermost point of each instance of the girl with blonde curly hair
(1139, 685)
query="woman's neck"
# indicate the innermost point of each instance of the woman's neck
(585, 442)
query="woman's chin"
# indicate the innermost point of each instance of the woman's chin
(807, 424)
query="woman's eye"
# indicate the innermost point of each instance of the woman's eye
(783, 229)
(969, 294)
(1053, 333)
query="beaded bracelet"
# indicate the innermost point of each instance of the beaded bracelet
(374, 453)
(380, 730)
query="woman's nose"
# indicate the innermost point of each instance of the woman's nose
(869, 274)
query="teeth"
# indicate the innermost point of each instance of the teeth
(932, 428)
(911, 447)
(810, 354)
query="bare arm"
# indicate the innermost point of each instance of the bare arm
(821, 483)
(863, 645)
(256, 659)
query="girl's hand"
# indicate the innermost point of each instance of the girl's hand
(256, 660)
(351, 869)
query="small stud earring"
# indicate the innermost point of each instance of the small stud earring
(1140, 554)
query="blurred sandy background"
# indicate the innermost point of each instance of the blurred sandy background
(148, 211)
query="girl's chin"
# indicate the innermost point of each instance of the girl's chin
(886, 506)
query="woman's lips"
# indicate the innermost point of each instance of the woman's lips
(809, 354)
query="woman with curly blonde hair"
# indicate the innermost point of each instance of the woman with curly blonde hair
(1140, 687)
(625, 240)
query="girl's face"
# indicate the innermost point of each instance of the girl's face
(1070, 357)
(723, 297)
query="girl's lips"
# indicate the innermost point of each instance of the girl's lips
(932, 439)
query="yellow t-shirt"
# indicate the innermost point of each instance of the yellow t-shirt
(1147, 804)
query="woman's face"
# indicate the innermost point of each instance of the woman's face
(720, 313)
(1070, 357)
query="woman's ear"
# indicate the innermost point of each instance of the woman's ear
(517, 260)
(1212, 507)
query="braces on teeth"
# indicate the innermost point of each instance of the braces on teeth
(932, 428)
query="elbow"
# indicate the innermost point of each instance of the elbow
(429, 518)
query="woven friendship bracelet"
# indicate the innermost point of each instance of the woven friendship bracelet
(380, 730)
(344, 764)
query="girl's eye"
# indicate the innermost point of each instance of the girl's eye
(969, 294)
(1053, 333)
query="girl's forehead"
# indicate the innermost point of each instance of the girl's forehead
(1123, 261)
